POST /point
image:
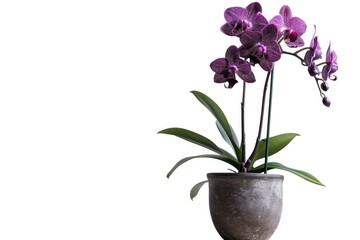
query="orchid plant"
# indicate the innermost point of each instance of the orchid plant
(262, 43)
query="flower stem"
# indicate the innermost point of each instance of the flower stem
(243, 142)
(318, 85)
(268, 123)
(295, 55)
(298, 51)
(251, 158)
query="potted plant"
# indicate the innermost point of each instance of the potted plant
(246, 202)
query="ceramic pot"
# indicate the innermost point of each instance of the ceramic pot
(245, 206)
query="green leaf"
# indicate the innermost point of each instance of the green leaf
(198, 139)
(220, 116)
(195, 189)
(274, 165)
(225, 136)
(276, 143)
(233, 163)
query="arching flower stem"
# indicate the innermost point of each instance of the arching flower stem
(300, 50)
(295, 55)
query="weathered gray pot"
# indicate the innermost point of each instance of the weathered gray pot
(245, 206)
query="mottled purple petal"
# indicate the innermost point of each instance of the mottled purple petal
(219, 65)
(315, 46)
(317, 49)
(245, 52)
(253, 9)
(269, 33)
(313, 53)
(219, 78)
(232, 53)
(285, 11)
(227, 29)
(325, 72)
(266, 65)
(235, 14)
(273, 51)
(278, 21)
(247, 77)
(298, 25)
(331, 64)
(259, 22)
(242, 66)
(308, 57)
(249, 38)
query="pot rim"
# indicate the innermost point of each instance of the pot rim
(243, 175)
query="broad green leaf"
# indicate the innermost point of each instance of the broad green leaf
(197, 139)
(274, 165)
(219, 115)
(195, 189)
(232, 162)
(276, 143)
(226, 138)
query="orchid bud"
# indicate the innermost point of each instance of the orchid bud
(326, 101)
(324, 86)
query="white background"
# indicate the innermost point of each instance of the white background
(86, 85)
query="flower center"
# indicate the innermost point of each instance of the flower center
(229, 72)
(240, 26)
(290, 36)
(259, 51)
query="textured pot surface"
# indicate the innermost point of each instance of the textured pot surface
(245, 206)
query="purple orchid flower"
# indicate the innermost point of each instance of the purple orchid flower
(261, 47)
(290, 28)
(314, 53)
(240, 19)
(331, 65)
(227, 68)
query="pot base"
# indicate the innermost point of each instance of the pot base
(245, 206)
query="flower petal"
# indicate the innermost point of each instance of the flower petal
(235, 14)
(298, 25)
(219, 65)
(259, 22)
(325, 72)
(247, 77)
(273, 51)
(242, 66)
(285, 11)
(246, 51)
(253, 9)
(227, 29)
(278, 21)
(219, 78)
(308, 57)
(266, 65)
(269, 33)
(232, 53)
(250, 38)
